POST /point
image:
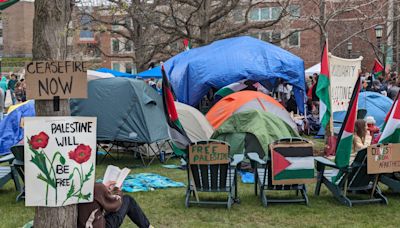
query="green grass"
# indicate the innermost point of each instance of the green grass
(165, 208)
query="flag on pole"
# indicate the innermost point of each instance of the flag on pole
(378, 69)
(177, 134)
(187, 44)
(345, 137)
(6, 3)
(323, 88)
(391, 127)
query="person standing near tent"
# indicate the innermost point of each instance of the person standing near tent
(3, 86)
(362, 137)
(11, 86)
(1, 104)
(109, 209)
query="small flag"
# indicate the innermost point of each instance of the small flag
(187, 44)
(377, 70)
(391, 128)
(323, 88)
(6, 3)
(345, 137)
(177, 134)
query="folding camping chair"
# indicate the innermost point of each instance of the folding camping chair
(353, 180)
(8, 172)
(18, 163)
(263, 172)
(209, 176)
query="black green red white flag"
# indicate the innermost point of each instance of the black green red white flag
(323, 89)
(6, 3)
(391, 129)
(378, 69)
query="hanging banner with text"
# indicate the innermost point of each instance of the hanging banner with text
(65, 79)
(343, 75)
(60, 154)
(383, 158)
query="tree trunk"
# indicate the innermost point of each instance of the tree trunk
(322, 20)
(50, 25)
(205, 26)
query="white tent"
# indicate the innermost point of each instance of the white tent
(314, 69)
(92, 75)
(194, 122)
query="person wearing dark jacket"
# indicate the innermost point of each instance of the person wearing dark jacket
(109, 209)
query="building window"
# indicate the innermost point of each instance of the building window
(128, 22)
(115, 45)
(265, 36)
(275, 12)
(276, 38)
(116, 66)
(85, 21)
(128, 68)
(268, 36)
(294, 11)
(238, 15)
(294, 39)
(128, 46)
(265, 13)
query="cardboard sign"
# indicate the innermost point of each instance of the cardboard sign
(383, 158)
(210, 153)
(343, 77)
(65, 79)
(292, 163)
(60, 154)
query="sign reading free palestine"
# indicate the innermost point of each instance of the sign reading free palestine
(60, 155)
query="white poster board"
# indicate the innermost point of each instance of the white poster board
(343, 75)
(60, 160)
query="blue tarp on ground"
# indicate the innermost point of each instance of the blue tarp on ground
(115, 73)
(144, 182)
(152, 73)
(192, 73)
(11, 132)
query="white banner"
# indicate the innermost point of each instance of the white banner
(60, 160)
(343, 77)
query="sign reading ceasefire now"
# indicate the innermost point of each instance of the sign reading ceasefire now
(48, 79)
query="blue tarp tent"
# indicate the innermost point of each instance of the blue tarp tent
(11, 132)
(115, 73)
(192, 73)
(152, 73)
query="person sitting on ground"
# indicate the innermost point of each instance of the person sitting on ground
(362, 137)
(109, 209)
(372, 128)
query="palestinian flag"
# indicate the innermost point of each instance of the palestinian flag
(378, 69)
(6, 3)
(231, 88)
(323, 89)
(292, 164)
(187, 44)
(345, 137)
(391, 129)
(177, 134)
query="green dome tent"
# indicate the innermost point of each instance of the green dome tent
(253, 131)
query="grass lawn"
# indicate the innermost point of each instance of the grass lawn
(165, 208)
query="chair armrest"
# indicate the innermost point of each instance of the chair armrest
(237, 158)
(254, 157)
(7, 158)
(325, 162)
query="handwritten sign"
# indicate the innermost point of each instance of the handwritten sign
(343, 75)
(65, 79)
(60, 154)
(383, 158)
(210, 153)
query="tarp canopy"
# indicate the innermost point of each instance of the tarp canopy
(93, 75)
(244, 101)
(245, 131)
(127, 110)
(10, 126)
(115, 73)
(152, 73)
(314, 69)
(194, 122)
(192, 73)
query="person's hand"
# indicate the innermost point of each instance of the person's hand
(110, 185)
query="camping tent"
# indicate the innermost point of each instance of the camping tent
(115, 73)
(10, 126)
(194, 122)
(243, 101)
(314, 69)
(253, 131)
(127, 110)
(192, 73)
(92, 75)
(152, 73)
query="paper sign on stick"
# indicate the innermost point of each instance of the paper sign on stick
(60, 154)
(48, 79)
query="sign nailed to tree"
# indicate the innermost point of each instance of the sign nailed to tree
(65, 79)
(60, 155)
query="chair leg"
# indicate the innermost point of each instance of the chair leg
(15, 178)
(255, 181)
(378, 194)
(187, 203)
(319, 182)
(304, 194)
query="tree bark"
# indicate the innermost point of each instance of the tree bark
(50, 25)
(322, 20)
(205, 25)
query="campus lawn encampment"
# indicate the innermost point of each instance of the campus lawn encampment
(165, 207)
